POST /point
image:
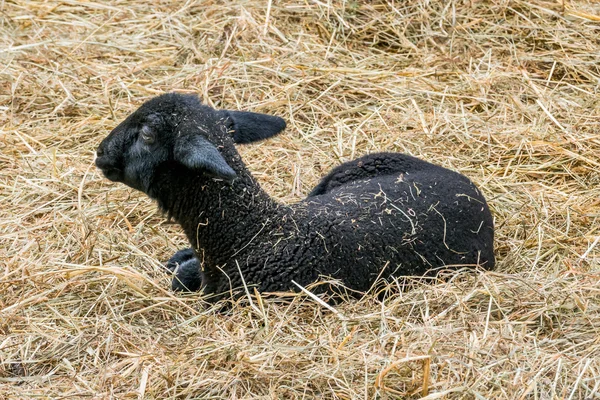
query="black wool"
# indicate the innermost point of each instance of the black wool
(383, 215)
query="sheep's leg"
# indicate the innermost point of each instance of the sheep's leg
(186, 269)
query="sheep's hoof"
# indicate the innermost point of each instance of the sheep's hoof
(186, 270)
(179, 258)
(187, 277)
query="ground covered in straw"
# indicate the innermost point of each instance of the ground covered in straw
(506, 92)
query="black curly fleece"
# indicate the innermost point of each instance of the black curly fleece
(383, 210)
(380, 216)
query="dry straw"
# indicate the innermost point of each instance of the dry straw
(506, 92)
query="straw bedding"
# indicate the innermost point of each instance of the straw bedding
(506, 92)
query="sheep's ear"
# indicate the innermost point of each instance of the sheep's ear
(197, 153)
(251, 127)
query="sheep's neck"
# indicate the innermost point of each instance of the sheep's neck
(218, 217)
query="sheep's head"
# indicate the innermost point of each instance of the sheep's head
(176, 128)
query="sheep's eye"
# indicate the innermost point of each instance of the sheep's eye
(147, 134)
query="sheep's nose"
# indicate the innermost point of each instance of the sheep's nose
(100, 151)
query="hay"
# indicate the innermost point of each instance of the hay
(506, 92)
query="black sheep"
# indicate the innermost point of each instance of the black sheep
(380, 216)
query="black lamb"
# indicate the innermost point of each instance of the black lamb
(381, 216)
